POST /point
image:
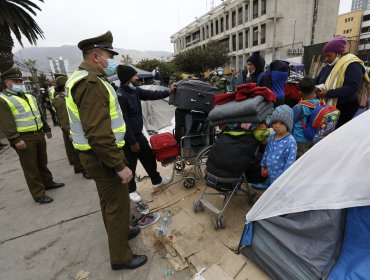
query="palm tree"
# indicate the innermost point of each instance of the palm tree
(15, 18)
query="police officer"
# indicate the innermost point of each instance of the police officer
(25, 127)
(52, 88)
(98, 131)
(59, 104)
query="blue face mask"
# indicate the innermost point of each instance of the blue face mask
(110, 70)
(19, 88)
(131, 86)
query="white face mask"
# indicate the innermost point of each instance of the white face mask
(131, 86)
(334, 61)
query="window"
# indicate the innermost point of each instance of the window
(351, 18)
(240, 15)
(247, 38)
(240, 41)
(263, 33)
(222, 24)
(345, 20)
(233, 43)
(255, 9)
(263, 7)
(227, 22)
(204, 35)
(212, 29)
(216, 26)
(255, 36)
(207, 31)
(246, 19)
(233, 19)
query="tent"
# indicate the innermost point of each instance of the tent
(313, 221)
(141, 74)
(157, 114)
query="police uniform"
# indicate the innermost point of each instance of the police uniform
(59, 104)
(98, 129)
(20, 119)
(52, 88)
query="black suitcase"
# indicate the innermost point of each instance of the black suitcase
(194, 95)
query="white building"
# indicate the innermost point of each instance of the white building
(248, 26)
(364, 45)
(59, 65)
(360, 4)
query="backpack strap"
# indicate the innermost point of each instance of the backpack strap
(307, 104)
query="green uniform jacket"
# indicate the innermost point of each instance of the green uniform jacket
(59, 104)
(7, 122)
(92, 100)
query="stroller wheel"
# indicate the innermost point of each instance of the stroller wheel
(218, 223)
(198, 206)
(189, 182)
(179, 165)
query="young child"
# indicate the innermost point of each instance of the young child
(302, 114)
(281, 149)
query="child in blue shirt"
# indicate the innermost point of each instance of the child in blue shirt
(281, 149)
(302, 112)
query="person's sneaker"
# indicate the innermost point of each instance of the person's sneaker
(148, 220)
(165, 181)
(142, 207)
(135, 197)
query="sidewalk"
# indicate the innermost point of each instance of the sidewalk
(64, 238)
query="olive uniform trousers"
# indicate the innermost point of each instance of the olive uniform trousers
(34, 162)
(114, 203)
(72, 154)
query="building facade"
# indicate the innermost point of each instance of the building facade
(360, 4)
(248, 26)
(59, 65)
(364, 45)
(349, 25)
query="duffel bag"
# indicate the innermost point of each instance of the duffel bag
(164, 146)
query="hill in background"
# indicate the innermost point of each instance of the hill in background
(74, 56)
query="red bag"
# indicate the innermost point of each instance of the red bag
(164, 146)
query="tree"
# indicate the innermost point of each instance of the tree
(126, 59)
(167, 69)
(15, 18)
(31, 65)
(200, 59)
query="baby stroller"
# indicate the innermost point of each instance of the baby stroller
(230, 163)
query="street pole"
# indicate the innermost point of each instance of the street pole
(295, 21)
(274, 32)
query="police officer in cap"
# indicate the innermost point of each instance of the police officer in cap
(25, 128)
(98, 131)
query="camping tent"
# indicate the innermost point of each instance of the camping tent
(313, 221)
(157, 114)
(141, 74)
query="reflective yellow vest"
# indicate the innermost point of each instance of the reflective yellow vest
(80, 142)
(51, 93)
(26, 113)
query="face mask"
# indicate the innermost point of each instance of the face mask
(19, 88)
(334, 61)
(131, 86)
(110, 70)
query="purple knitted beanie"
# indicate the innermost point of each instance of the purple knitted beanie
(336, 45)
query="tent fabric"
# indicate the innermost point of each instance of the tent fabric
(157, 114)
(333, 174)
(299, 245)
(354, 259)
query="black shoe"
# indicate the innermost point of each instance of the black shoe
(137, 261)
(133, 233)
(44, 199)
(54, 185)
(77, 170)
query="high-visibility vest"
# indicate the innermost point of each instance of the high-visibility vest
(118, 126)
(25, 111)
(51, 93)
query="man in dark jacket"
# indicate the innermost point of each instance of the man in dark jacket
(255, 66)
(136, 145)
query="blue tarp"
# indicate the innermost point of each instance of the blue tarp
(354, 260)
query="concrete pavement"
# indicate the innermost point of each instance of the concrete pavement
(64, 238)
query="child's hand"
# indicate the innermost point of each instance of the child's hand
(264, 172)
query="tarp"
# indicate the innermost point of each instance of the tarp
(333, 174)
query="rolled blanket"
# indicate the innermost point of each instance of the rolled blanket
(247, 119)
(235, 109)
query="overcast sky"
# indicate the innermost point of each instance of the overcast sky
(135, 24)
